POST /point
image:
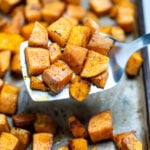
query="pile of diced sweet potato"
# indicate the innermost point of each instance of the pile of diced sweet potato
(74, 29)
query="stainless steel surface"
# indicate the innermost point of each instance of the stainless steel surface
(119, 55)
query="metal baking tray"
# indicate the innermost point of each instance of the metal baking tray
(129, 102)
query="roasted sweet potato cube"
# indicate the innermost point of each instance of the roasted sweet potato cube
(39, 36)
(4, 125)
(1, 83)
(5, 62)
(7, 5)
(42, 141)
(15, 64)
(100, 126)
(79, 88)
(78, 144)
(76, 127)
(134, 64)
(8, 141)
(37, 60)
(52, 11)
(57, 76)
(131, 142)
(76, 11)
(37, 84)
(75, 2)
(59, 31)
(100, 43)
(63, 148)
(44, 123)
(23, 136)
(100, 80)
(118, 138)
(10, 42)
(75, 56)
(101, 7)
(95, 64)
(118, 33)
(23, 120)
(9, 98)
(79, 36)
(26, 29)
(33, 12)
(105, 29)
(125, 18)
(55, 52)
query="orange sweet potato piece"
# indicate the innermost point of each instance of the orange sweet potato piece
(105, 29)
(100, 126)
(100, 43)
(59, 31)
(23, 119)
(24, 137)
(100, 80)
(79, 36)
(57, 76)
(95, 64)
(5, 62)
(76, 127)
(39, 36)
(134, 64)
(74, 56)
(1, 83)
(101, 7)
(37, 60)
(37, 84)
(4, 125)
(79, 88)
(78, 144)
(73, 20)
(55, 52)
(52, 11)
(9, 98)
(44, 123)
(8, 141)
(42, 141)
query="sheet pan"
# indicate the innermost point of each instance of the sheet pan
(128, 102)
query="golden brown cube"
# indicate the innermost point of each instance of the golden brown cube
(105, 29)
(134, 64)
(100, 126)
(10, 42)
(44, 123)
(52, 11)
(37, 84)
(26, 29)
(33, 12)
(15, 64)
(101, 7)
(57, 76)
(4, 125)
(79, 88)
(76, 12)
(95, 64)
(78, 144)
(100, 43)
(39, 36)
(79, 36)
(76, 127)
(75, 56)
(42, 141)
(59, 31)
(5, 62)
(23, 136)
(37, 60)
(7, 5)
(101, 79)
(55, 52)
(9, 98)
(23, 120)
